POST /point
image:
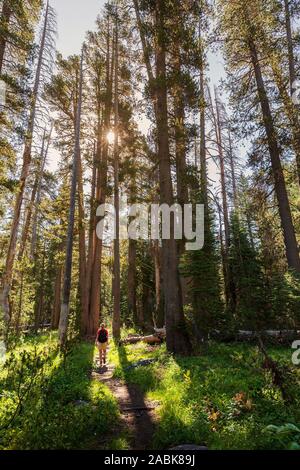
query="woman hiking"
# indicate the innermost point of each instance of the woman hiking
(101, 343)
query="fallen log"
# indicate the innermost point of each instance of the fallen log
(150, 339)
(277, 336)
(156, 338)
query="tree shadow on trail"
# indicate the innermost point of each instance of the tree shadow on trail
(136, 411)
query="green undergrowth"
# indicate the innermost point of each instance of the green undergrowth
(224, 398)
(51, 402)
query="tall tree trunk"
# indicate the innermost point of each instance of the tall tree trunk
(82, 247)
(177, 339)
(57, 288)
(20, 306)
(159, 313)
(232, 169)
(222, 245)
(7, 276)
(28, 216)
(38, 198)
(95, 244)
(180, 156)
(159, 319)
(131, 272)
(102, 155)
(222, 173)
(131, 281)
(116, 270)
(203, 163)
(65, 305)
(291, 247)
(39, 295)
(229, 288)
(4, 21)
(34, 203)
(250, 232)
(201, 196)
(95, 277)
(91, 237)
(180, 140)
(57, 299)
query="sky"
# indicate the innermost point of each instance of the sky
(74, 18)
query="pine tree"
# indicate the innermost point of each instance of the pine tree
(46, 44)
(245, 29)
(251, 307)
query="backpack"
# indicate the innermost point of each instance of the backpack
(102, 336)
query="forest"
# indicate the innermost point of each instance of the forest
(204, 341)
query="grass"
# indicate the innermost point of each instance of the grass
(223, 399)
(49, 403)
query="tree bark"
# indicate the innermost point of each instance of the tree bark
(180, 139)
(91, 237)
(116, 266)
(39, 295)
(177, 339)
(38, 197)
(57, 299)
(229, 288)
(20, 305)
(203, 163)
(65, 305)
(233, 175)
(222, 173)
(180, 155)
(131, 280)
(102, 156)
(82, 246)
(159, 318)
(131, 273)
(25, 230)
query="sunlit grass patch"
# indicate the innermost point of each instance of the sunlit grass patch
(64, 407)
(223, 399)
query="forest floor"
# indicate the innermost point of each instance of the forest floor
(222, 398)
(137, 420)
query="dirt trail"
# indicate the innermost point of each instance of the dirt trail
(137, 414)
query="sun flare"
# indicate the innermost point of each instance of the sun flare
(110, 137)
